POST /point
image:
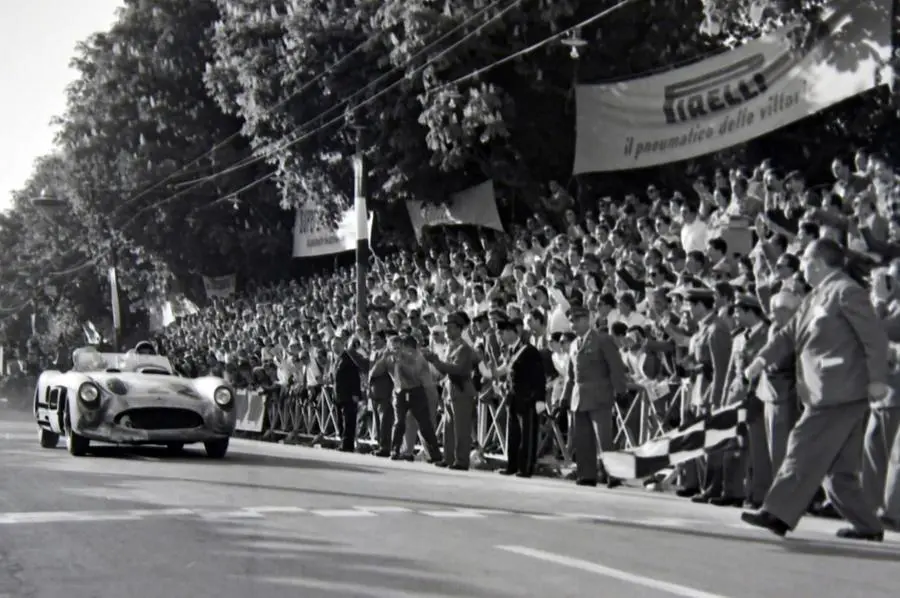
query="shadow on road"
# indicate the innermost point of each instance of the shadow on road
(827, 548)
(197, 457)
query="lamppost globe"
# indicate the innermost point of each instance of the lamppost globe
(45, 200)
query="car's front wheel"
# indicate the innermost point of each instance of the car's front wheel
(47, 438)
(216, 449)
(76, 444)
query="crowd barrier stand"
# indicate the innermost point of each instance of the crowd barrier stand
(309, 415)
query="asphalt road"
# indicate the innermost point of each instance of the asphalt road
(273, 521)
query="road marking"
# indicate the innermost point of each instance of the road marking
(342, 513)
(458, 514)
(598, 569)
(385, 510)
(278, 510)
(239, 514)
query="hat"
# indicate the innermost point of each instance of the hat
(578, 311)
(697, 294)
(480, 317)
(747, 301)
(456, 319)
(504, 324)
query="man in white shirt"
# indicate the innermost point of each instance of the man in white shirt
(694, 231)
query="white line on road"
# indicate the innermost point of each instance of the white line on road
(385, 510)
(342, 513)
(460, 514)
(587, 566)
(277, 510)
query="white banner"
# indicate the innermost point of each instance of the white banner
(475, 206)
(313, 236)
(732, 97)
(219, 286)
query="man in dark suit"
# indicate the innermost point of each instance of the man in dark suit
(595, 378)
(841, 355)
(348, 369)
(525, 397)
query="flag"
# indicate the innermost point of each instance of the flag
(720, 430)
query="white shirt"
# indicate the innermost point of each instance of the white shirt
(694, 236)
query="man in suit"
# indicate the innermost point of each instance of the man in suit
(595, 377)
(459, 393)
(841, 353)
(525, 398)
(348, 369)
(381, 390)
(777, 386)
(752, 461)
(709, 351)
(880, 479)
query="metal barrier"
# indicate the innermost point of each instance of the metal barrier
(309, 415)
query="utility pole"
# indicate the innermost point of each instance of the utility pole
(362, 238)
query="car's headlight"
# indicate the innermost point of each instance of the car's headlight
(89, 393)
(223, 396)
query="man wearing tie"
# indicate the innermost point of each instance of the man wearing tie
(595, 377)
(525, 397)
(753, 458)
(459, 406)
(841, 354)
(349, 367)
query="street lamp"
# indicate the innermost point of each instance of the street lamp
(45, 202)
(362, 222)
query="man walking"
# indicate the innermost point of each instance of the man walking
(841, 352)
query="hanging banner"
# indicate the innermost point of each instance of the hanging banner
(219, 286)
(733, 97)
(475, 206)
(314, 236)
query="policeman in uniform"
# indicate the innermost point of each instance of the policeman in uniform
(595, 378)
(753, 459)
(525, 389)
(709, 352)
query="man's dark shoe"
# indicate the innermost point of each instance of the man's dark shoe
(702, 499)
(506, 472)
(441, 464)
(726, 501)
(851, 533)
(522, 474)
(687, 492)
(767, 521)
(458, 467)
(612, 482)
(396, 457)
(591, 483)
(383, 454)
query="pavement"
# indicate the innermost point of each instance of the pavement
(274, 521)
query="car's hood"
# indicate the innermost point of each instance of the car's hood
(136, 384)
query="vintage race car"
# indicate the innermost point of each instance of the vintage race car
(132, 399)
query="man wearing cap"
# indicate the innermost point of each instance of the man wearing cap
(525, 392)
(841, 351)
(595, 377)
(753, 459)
(459, 392)
(709, 351)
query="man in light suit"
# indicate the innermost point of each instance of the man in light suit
(751, 461)
(525, 391)
(595, 377)
(459, 393)
(841, 352)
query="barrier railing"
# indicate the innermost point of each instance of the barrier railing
(309, 415)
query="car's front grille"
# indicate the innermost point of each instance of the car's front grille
(159, 418)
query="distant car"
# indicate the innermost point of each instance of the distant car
(132, 399)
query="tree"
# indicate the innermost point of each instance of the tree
(147, 146)
(427, 136)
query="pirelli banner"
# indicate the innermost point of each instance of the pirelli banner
(735, 96)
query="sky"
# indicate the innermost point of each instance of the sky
(37, 40)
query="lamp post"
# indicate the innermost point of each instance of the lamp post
(362, 226)
(45, 203)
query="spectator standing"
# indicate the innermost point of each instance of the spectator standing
(459, 391)
(841, 352)
(381, 389)
(594, 379)
(411, 375)
(525, 391)
(347, 371)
